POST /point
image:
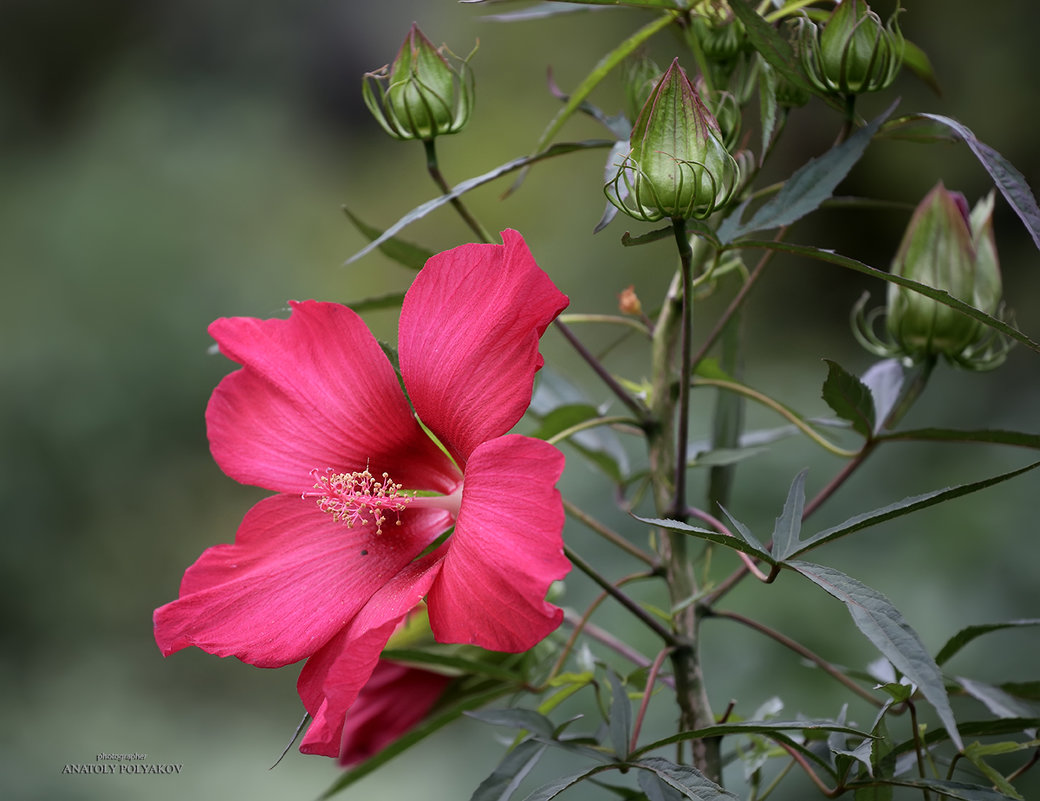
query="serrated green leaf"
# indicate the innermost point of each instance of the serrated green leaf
(789, 523)
(404, 253)
(905, 507)
(830, 257)
(884, 625)
(742, 540)
(850, 398)
(969, 633)
(810, 185)
(462, 188)
(620, 723)
(512, 770)
(688, 782)
(1011, 183)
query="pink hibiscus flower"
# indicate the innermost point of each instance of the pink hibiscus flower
(353, 541)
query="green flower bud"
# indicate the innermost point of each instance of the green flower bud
(720, 35)
(639, 76)
(725, 108)
(425, 95)
(678, 165)
(855, 52)
(946, 248)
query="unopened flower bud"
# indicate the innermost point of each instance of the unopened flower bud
(639, 76)
(946, 248)
(719, 33)
(422, 94)
(678, 165)
(854, 53)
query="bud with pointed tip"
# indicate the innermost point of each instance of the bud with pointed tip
(422, 94)
(678, 166)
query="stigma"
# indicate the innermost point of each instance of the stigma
(358, 499)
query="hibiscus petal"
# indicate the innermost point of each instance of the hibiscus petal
(468, 339)
(331, 680)
(293, 578)
(506, 549)
(315, 391)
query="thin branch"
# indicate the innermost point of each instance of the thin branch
(609, 534)
(651, 679)
(637, 408)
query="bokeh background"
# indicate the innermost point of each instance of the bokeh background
(163, 164)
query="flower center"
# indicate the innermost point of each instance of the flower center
(358, 498)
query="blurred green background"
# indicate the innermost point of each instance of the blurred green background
(163, 164)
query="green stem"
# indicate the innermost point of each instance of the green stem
(435, 173)
(682, 241)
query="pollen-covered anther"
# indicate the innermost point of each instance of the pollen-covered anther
(358, 499)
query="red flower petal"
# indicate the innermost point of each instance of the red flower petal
(506, 549)
(468, 339)
(331, 680)
(315, 391)
(293, 578)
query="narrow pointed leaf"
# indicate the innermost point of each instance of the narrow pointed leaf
(1011, 183)
(884, 626)
(550, 790)
(771, 728)
(687, 781)
(789, 523)
(996, 700)
(905, 507)
(966, 635)
(512, 770)
(886, 381)
(620, 716)
(523, 719)
(404, 253)
(960, 791)
(741, 541)
(452, 663)
(472, 183)
(850, 398)
(672, 4)
(392, 300)
(940, 295)
(1019, 438)
(809, 186)
(773, 47)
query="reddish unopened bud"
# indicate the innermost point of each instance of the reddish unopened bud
(854, 53)
(945, 248)
(678, 166)
(422, 94)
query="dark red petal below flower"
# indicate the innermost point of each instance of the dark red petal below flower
(505, 551)
(469, 332)
(293, 578)
(331, 680)
(315, 391)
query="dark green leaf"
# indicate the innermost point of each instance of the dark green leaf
(850, 398)
(1018, 438)
(773, 47)
(884, 626)
(404, 253)
(904, 507)
(741, 541)
(644, 239)
(943, 297)
(672, 4)
(512, 770)
(549, 791)
(972, 728)
(1011, 183)
(472, 183)
(957, 790)
(523, 719)
(688, 782)
(808, 187)
(392, 300)
(620, 716)
(996, 700)
(537, 11)
(789, 523)
(966, 635)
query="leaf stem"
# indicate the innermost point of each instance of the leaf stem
(651, 679)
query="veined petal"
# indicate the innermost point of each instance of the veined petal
(468, 339)
(331, 680)
(506, 550)
(315, 391)
(293, 578)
